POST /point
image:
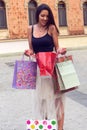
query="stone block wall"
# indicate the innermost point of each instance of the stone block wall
(17, 19)
(17, 16)
(75, 17)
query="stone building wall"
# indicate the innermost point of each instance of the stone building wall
(75, 17)
(17, 17)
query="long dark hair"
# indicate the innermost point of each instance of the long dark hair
(50, 16)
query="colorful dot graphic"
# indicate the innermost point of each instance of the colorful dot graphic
(41, 124)
(36, 122)
(53, 122)
(32, 126)
(49, 127)
(28, 122)
(44, 122)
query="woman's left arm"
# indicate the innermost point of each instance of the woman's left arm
(55, 37)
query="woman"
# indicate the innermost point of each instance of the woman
(43, 37)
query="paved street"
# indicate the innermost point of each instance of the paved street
(16, 105)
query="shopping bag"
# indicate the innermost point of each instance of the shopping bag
(67, 76)
(25, 72)
(56, 77)
(41, 124)
(64, 58)
(46, 62)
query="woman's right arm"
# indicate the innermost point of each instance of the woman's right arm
(29, 35)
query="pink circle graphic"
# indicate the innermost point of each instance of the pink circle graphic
(49, 127)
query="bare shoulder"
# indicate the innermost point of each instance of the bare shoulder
(52, 27)
(53, 30)
(30, 28)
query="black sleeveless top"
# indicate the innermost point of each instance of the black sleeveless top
(42, 44)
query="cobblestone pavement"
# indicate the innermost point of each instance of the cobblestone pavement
(16, 105)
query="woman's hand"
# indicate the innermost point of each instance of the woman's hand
(28, 52)
(61, 51)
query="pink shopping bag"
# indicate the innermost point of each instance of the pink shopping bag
(25, 72)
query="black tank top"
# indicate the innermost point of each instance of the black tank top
(42, 44)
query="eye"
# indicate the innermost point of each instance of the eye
(45, 16)
(42, 15)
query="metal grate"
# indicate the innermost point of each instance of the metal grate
(10, 64)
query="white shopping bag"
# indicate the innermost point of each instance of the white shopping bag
(66, 75)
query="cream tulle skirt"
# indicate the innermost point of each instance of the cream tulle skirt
(47, 104)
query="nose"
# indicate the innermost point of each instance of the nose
(45, 18)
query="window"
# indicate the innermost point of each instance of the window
(32, 5)
(85, 13)
(3, 23)
(62, 14)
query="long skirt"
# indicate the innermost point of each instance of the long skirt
(47, 104)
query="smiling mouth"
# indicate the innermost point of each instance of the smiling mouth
(44, 22)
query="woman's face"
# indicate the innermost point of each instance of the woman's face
(43, 17)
